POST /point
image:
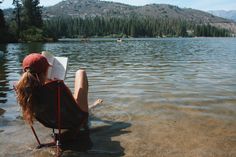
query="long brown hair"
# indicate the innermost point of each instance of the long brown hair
(26, 90)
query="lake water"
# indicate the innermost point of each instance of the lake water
(140, 79)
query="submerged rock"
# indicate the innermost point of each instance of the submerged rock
(2, 111)
(19, 117)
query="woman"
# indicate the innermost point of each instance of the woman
(33, 90)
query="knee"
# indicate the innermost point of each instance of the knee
(81, 72)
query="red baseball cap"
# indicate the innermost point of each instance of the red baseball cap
(36, 62)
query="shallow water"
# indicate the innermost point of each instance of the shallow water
(160, 85)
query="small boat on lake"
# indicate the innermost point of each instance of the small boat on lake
(119, 40)
(84, 40)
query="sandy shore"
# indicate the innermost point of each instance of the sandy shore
(162, 131)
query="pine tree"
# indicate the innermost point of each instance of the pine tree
(37, 21)
(17, 11)
(2, 20)
(2, 26)
(32, 14)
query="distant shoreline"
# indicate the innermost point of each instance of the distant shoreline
(108, 39)
(125, 39)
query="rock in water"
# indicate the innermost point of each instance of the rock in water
(2, 111)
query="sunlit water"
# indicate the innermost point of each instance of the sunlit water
(196, 73)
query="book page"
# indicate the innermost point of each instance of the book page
(49, 73)
(59, 68)
(50, 59)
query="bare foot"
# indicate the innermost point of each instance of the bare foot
(97, 102)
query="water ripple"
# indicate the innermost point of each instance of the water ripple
(188, 73)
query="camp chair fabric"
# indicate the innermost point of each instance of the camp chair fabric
(46, 112)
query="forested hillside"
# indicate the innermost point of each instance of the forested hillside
(29, 21)
(128, 27)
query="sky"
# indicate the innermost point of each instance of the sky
(204, 5)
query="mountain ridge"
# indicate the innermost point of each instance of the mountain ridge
(229, 14)
(93, 8)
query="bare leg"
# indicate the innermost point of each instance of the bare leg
(81, 90)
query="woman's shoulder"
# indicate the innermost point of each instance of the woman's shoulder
(54, 83)
(50, 91)
(54, 86)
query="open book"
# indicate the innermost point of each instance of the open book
(58, 67)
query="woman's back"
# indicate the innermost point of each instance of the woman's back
(50, 96)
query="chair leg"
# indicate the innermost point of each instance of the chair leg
(56, 137)
(51, 144)
(35, 135)
(56, 141)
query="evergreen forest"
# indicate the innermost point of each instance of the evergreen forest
(27, 24)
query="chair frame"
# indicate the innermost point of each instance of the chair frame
(56, 136)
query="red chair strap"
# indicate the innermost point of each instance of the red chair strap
(59, 110)
(32, 128)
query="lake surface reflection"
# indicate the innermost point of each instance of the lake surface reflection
(196, 73)
(162, 97)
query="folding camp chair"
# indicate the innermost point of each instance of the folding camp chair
(57, 110)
